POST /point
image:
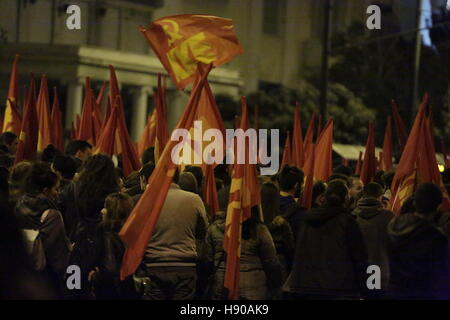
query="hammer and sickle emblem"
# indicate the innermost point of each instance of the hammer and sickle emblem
(172, 29)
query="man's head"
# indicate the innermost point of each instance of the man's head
(66, 166)
(10, 140)
(79, 149)
(356, 186)
(289, 178)
(427, 198)
(373, 190)
(336, 194)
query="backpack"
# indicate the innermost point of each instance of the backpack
(35, 246)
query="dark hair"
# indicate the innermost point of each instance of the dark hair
(270, 201)
(336, 176)
(378, 178)
(372, 190)
(148, 155)
(446, 176)
(4, 185)
(6, 161)
(40, 177)
(336, 193)
(289, 177)
(49, 153)
(220, 172)
(427, 198)
(249, 226)
(341, 169)
(77, 145)
(319, 188)
(147, 170)
(408, 206)
(119, 206)
(198, 174)
(98, 178)
(65, 165)
(223, 195)
(187, 182)
(176, 176)
(7, 138)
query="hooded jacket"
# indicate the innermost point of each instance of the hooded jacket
(290, 211)
(29, 210)
(373, 220)
(330, 257)
(418, 255)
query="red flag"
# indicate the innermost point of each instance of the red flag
(43, 109)
(124, 145)
(323, 155)
(182, 42)
(369, 165)
(147, 138)
(138, 228)
(309, 137)
(297, 140)
(386, 160)
(86, 129)
(210, 190)
(12, 120)
(402, 134)
(97, 113)
(106, 141)
(56, 120)
(26, 149)
(99, 99)
(358, 164)
(319, 127)
(309, 182)
(287, 152)
(162, 132)
(244, 194)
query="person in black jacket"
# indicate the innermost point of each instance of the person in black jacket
(418, 250)
(290, 179)
(330, 259)
(373, 220)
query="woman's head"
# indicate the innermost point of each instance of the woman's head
(42, 180)
(118, 207)
(97, 175)
(270, 201)
(336, 194)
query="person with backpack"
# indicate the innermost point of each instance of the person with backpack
(106, 277)
(43, 225)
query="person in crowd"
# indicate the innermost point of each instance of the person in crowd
(49, 153)
(318, 193)
(10, 141)
(198, 174)
(148, 156)
(386, 179)
(289, 179)
(135, 183)
(106, 276)
(418, 250)
(172, 253)
(187, 182)
(36, 210)
(355, 192)
(340, 176)
(279, 228)
(330, 259)
(65, 167)
(17, 181)
(260, 275)
(79, 149)
(342, 169)
(373, 220)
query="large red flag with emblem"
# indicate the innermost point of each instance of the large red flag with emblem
(181, 42)
(244, 194)
(369, 165)
(138, 229)
(324, 151)
(56, 120)
(12, 120)
(26, 149)
(43, 110)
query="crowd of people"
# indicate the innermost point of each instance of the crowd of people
(76, 203)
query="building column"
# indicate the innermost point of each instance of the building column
(139, 114)
(74, 101)
(177, 100)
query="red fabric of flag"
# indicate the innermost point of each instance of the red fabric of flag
(323, 154)
(369, 165)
